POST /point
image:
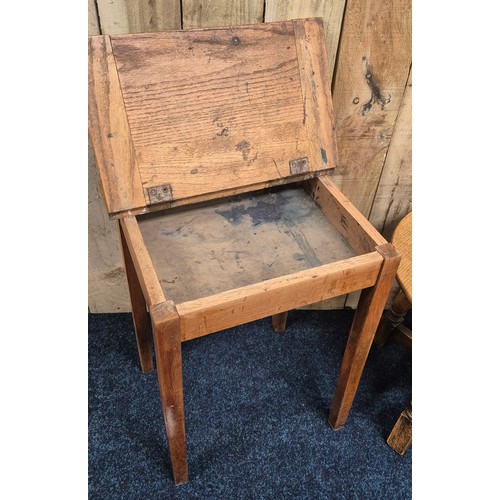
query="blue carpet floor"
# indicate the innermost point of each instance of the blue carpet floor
(256, 415)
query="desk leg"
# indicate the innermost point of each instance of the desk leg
(370, 307)
(279, 322)
(139, 310)
(167, 338)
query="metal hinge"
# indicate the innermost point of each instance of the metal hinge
(159, 194)
(299, 166)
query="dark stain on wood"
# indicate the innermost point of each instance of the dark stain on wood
(115, 274)
(324, 157)
(376, 94)
(262, 213)
(244, 148)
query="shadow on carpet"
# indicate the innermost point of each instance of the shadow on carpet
(256, 406)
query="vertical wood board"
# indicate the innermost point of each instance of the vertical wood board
(394, 192)
(107, 286)
(372, 69)
(138, 16)
(331, 11)
(210, 13)
(93, 19)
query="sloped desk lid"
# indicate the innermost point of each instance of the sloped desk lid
(184, 114)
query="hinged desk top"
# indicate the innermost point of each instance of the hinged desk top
(186, 115)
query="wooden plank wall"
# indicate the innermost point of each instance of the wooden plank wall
(369, 51)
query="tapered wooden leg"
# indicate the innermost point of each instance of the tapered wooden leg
(167, 339)
(279, 321)
(370, 307)
(392, 318)
(139, 310)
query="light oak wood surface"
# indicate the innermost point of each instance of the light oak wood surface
(109, 130)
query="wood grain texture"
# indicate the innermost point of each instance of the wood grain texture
(279, 322)
(363, 328)
(331, 11)
(166, 333)
(347, 219)
(139, 309)
(219, 246)
(93, 19)
(138, 16)
(107, 286)
(219, 195)
(236, 307)
(402, 240)
(209, 13)
(400, 437)
(107, 283)
(109, 131)
(372, 69)
(393, 198)
(349, 222)
(212, 110)
(146, 273)
(318, 117)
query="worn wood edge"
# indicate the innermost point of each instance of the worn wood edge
(159, 34)
(241, 305)
(100, 48)
(220, 195)
(346, 218)
(167, 341)
(318, 107)
(162, 313)
(146, 273)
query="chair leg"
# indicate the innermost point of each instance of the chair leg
(392, 318)
(400, 437)
(167, 339)
(139, 310)
(366, 319)
(279, 321)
